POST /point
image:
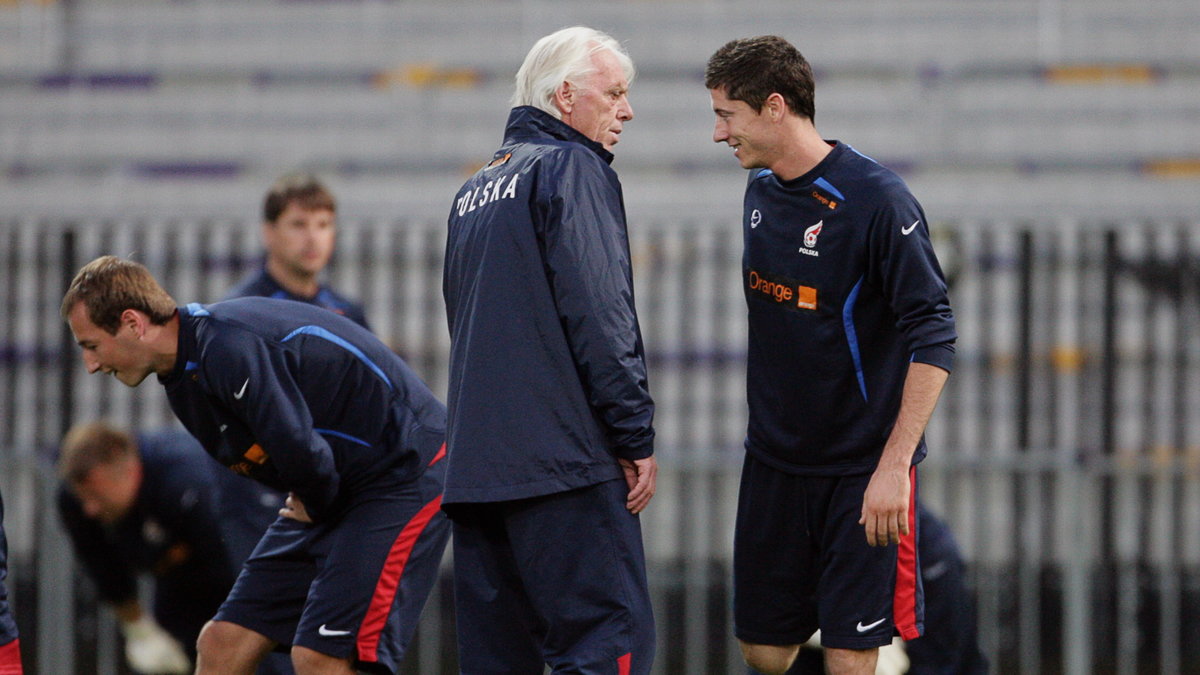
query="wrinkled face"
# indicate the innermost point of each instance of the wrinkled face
(108, 491)
(748, 132)
(301, 240)
(599, 106)
(122, 355)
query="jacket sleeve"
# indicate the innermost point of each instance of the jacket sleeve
(255, 381)
(113, 575)
(188, 509)
(580, 219)
(907, 270)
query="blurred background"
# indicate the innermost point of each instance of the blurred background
(1055, 146)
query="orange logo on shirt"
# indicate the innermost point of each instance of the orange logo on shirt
(256, 454)
(806, 297)
(831, 203)
(780, 290)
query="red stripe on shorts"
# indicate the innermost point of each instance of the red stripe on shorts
(904, 602)
(389, 581)
(623, 663)
(10, 658)
(440, 454)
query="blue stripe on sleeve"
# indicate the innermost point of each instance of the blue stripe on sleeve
(317, 331)
(348, 437)
(196, 309)
(852, 336)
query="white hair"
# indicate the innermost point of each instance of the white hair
(563, 56)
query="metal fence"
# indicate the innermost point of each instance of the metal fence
(1065, 452)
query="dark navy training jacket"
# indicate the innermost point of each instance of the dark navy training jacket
(260, 283)
(192, 525)
(547, 370)
(843, 291)
(301, 399)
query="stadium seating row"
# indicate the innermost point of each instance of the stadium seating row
(194, 106)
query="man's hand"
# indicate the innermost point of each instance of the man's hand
(294, 508)
(885, 506)
(150, 649)
(640, 475)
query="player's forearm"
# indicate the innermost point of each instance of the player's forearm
(922, 388)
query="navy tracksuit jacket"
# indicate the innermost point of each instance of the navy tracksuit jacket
(547, 369)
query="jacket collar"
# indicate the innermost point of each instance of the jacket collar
(526, 122)
(186, 348)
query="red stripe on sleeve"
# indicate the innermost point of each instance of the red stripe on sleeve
(438, 457)
(389, 581)
(623, 664)
(10, 658)
(904, 602)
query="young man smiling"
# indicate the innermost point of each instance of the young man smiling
(844, 369)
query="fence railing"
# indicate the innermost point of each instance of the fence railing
(1065, 452)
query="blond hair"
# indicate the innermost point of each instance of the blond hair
(92, 444)
(108, 285)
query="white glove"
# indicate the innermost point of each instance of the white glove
(151, 650)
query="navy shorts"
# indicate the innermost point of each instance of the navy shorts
(801, 562)
(558, 580)
(353, 587)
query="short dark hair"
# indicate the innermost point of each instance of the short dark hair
(751, 69)
(302, 188)
(108, 285)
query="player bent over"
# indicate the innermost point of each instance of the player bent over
(308, 402)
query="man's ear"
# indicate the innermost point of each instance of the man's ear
(131, 318)
(564, 97)
(776, 107)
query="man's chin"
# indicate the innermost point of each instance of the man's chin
(131, 381)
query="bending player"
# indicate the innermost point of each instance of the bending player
(305, 401)
(156, 504)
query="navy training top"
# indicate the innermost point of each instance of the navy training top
(302, 400)
(260, 283)
(843, 290)
(192, 525)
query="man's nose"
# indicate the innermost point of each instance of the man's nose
(626, 112)
(719, 133)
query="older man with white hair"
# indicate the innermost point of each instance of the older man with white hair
(550, 437)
